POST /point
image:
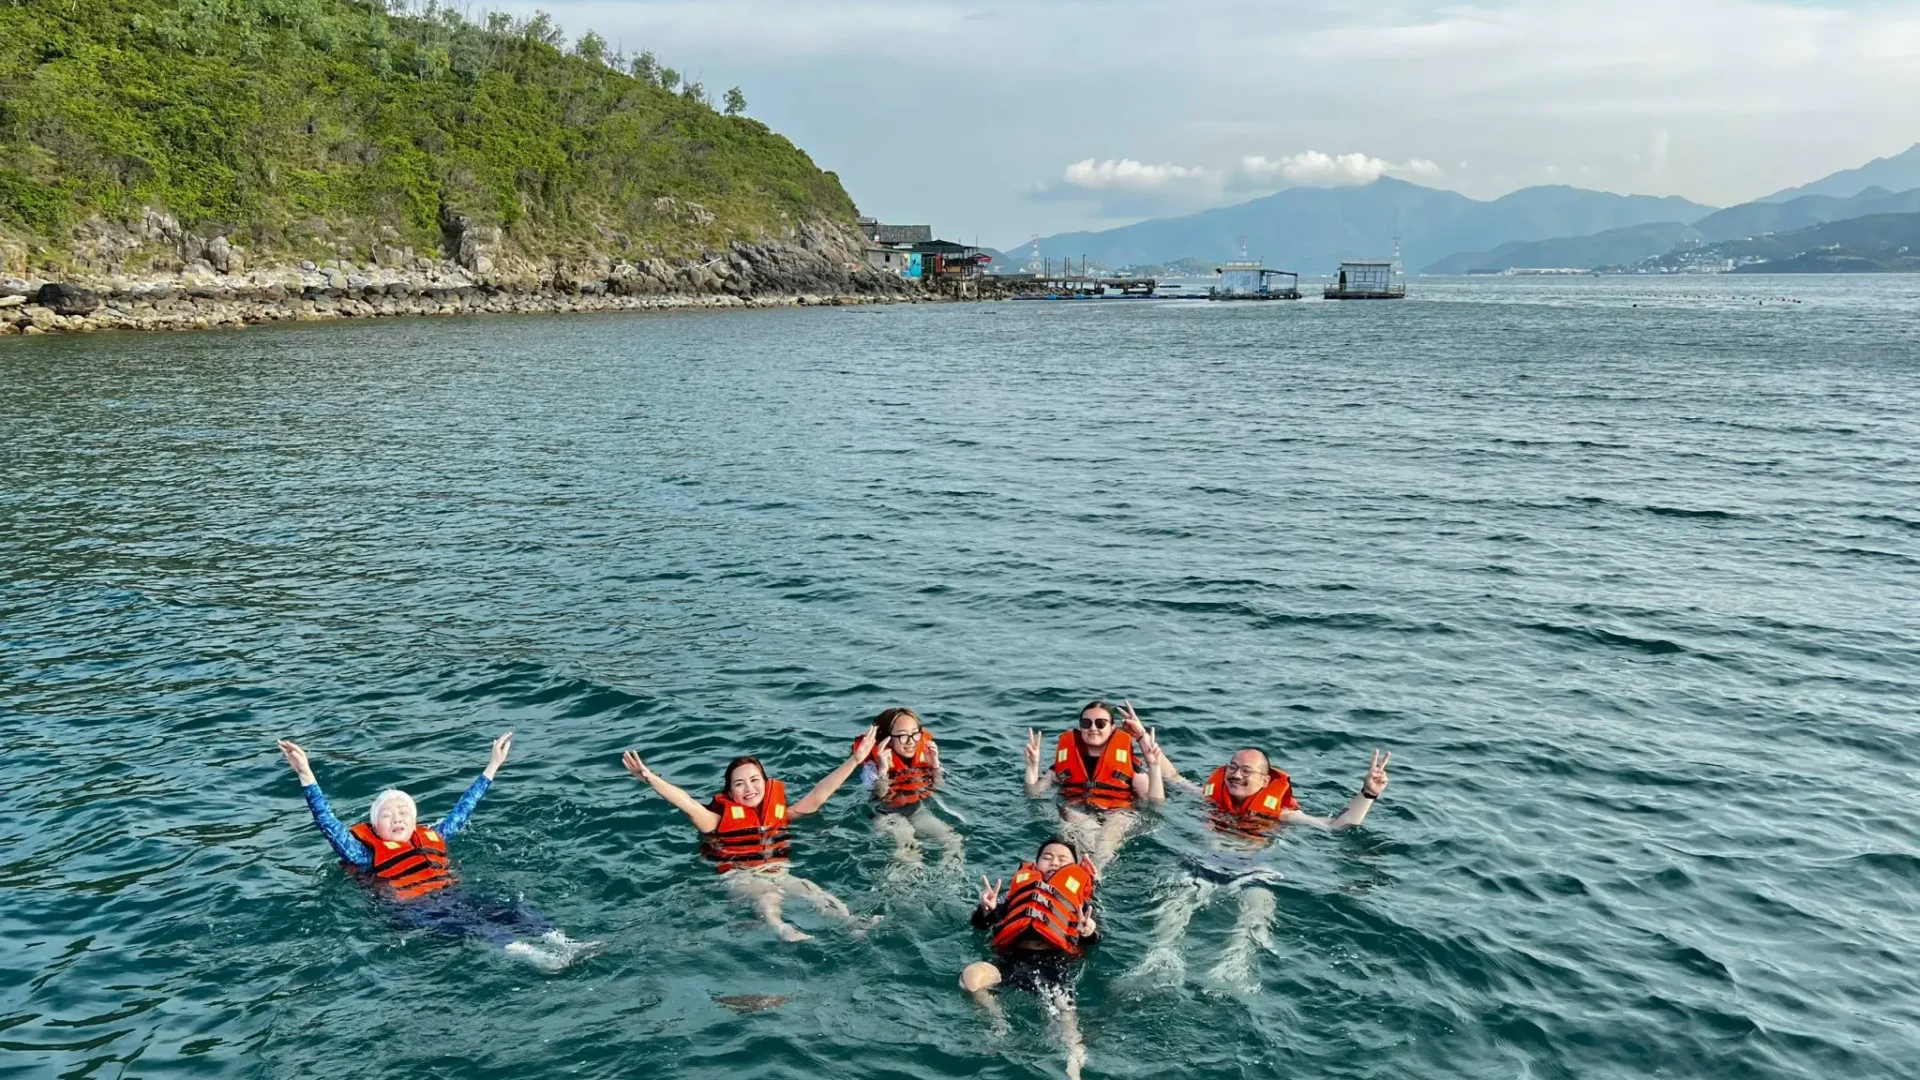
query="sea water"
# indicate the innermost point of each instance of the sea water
(1623, 572)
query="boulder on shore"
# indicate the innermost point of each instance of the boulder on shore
(63, 298)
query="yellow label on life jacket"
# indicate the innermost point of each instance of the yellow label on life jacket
(1272, 802)
(1018, 878)
(1209, 791)
(1120, 757)
(738, 812)
(780, 811)
(1073, 885)
(1062, 757)
(390, 844)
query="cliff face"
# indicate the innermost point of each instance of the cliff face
(329, 150)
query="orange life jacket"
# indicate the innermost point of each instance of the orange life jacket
(1054, 908)
(909, 780)
(408, 868)
(1111, 784)
(1260, 811)
(746, 835)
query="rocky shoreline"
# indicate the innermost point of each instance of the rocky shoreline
(33, 307)
(205, 283)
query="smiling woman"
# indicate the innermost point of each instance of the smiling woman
(744, 831)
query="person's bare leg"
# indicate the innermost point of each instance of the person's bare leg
(953, 850)
(1170, 929)
(1067, 1022)
(905, 848)
(978, 980)
(765, 892)
(1079, 828)
(1252, 930)
(826, 902)
(1113, 832)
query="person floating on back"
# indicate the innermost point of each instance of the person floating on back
(1247, 800)
(408, 863)
(744, 831)
(906, 766)
(1102, 771)
(1037, 932)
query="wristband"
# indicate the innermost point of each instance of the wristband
(1365, 794)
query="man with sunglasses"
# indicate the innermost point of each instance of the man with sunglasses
(1249, 799)
(1102, 770)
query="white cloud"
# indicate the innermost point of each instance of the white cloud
(1132, 177)
(1313, 168)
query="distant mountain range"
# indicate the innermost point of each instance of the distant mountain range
(1901, 172)
(1638, 243)
(1443, 232)
(1312, 229)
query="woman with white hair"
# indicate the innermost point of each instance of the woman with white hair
(407, 862)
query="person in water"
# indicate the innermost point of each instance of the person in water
(1247, 800)
(1037, 932)
(906, 766)
(1102, 770)
(407, 863)
(744, 831)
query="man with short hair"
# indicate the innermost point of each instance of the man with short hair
(1247, 798)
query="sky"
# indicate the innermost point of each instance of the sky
(992, 121)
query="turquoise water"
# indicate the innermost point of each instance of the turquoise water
(1624, 573)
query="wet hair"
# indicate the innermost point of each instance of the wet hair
(1060, 840)
(1098, 703)
(884, 722)
(380, 800)
(726, 782)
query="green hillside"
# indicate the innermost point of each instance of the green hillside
(301, 127)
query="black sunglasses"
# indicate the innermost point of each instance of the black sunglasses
(1095, 722)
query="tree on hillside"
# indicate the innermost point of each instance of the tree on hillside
(646, 68)
(736, 102)
(542, 29)
(669, 78)
(697, 91)
(591, 46)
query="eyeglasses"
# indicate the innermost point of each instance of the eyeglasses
(1095, 722)
(1242, 770)
(906, 736)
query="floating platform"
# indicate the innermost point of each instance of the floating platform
(1335, 292)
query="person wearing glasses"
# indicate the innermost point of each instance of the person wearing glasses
(1102, 770)
(743, 830)
(1247, 800)
(906, 768)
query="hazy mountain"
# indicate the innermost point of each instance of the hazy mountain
(1900, 172)
(1614, 247)
(1637, 243)
(1311, 229)
(1756, 218)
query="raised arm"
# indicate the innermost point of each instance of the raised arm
(456, 818)
(344, 843)
(830, 783)
(1037, 782)
(1356, 811)
(703, 819)
(1150, 784)
(1169, 775)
